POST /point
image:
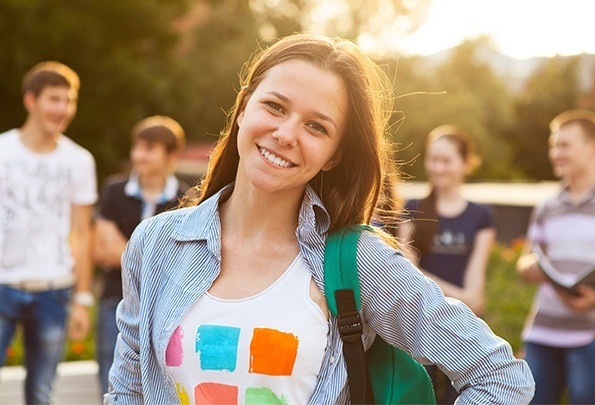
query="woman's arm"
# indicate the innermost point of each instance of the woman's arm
(472, 292)
(125, 374)
(410, 312)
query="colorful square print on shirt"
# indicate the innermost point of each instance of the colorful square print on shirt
(272, 352)
(217, 347)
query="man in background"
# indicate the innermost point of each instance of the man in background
(559, 336)
(47, 192)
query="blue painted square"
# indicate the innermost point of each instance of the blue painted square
(217, 347)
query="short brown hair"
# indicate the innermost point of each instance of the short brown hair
(584, 118)
(161, 129)
(49, 73)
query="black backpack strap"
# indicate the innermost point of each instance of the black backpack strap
(350, 329)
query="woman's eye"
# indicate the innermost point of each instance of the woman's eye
(274, 105)
(317, 127)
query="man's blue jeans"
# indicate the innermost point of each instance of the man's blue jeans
(107, 333)
(556, 368)
(42, 316)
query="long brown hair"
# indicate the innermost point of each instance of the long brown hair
(350, 190)
(426, 225)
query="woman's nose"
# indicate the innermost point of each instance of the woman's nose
(286, 134)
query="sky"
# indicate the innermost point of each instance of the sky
(518, 28)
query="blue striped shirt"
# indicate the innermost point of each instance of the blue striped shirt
(173, 258)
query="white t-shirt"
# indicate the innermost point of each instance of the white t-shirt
(265, 349)
(37, 191)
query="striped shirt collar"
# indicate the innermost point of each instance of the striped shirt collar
(198, 225)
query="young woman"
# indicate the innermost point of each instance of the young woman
(223, 300)
(452, 236)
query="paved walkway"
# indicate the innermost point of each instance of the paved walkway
(77, 383)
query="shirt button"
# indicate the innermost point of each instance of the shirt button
(332, 359)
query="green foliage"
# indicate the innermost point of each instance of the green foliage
(463, 90)
(123, 52)
(510, 129)
(508, 296)
(182, 57)
(551, 89)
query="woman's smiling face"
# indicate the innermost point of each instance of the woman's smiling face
(291, 127)
(445, 166)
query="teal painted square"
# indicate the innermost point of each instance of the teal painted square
(217, 347)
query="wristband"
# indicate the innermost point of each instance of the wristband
(83, 298)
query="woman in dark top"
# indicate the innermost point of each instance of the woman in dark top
(451, 236)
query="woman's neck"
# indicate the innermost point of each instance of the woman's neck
(450, 202)
(449, 194)
(255, 214)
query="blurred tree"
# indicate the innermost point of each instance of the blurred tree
(588, 98)
(550, 90)
(122, 51)
(372, 21)
(218, 37)
(143, 57)
(277, 19)
(462, 89)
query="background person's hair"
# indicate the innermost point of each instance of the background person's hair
(49, 73)
(350, 190)
(161, 129)
(580, 116)
(426, 223)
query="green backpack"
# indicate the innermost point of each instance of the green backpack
(384, 374)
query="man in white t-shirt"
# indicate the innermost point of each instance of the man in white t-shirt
(47, 192)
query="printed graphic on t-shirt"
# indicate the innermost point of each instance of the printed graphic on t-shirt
(271, 352)
(35, 205)
(450, 242)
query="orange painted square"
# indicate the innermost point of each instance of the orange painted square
(272, 352)
(212, 393)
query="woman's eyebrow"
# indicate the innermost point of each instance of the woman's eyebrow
(316, 113)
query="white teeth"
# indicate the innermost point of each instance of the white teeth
(276, 160)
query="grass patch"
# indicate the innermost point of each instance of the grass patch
(508, 297)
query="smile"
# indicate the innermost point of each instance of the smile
(276, 160)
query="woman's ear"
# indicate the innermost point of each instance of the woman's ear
(333, 162)
(244, 94)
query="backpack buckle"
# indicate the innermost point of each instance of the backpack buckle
(350, 326)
